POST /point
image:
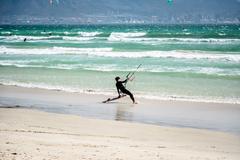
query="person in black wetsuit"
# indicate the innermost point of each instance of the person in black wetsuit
(119, 85)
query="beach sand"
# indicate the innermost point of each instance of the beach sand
(33, 134)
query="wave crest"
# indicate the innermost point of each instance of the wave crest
(89, 34)
(115, 36)
(52, 50)
(108, 52)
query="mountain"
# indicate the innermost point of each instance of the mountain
(121, 10)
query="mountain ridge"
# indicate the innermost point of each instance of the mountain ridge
(188, 9)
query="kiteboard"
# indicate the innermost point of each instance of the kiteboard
(113, 99)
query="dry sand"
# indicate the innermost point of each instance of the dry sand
(31, 134)
(27, 134)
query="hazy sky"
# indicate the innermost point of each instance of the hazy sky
(137, 8)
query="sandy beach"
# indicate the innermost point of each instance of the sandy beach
(32, 134)
(61, 60)
(29, 134)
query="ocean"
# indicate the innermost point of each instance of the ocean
(178, 62)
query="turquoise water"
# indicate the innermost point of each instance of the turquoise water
(179, 62)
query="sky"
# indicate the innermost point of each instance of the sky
(121, 10)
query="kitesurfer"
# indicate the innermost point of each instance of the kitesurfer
(120, 87)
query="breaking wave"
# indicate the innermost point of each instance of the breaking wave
(115, 36)
(78, 38)
(173, 40)
(130, 37)
(114, 68)
(52, 50)
(89, 34)
(16, 38)
(108, 52)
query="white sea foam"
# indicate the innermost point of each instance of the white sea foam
(199, 40)
(23, 63)
(123, 37)
(221, 34)
(112, 67)
(89, 34)
(53, 50)
(39, 85)
(77, 38)
(26, 65)
(173, 40)
(170, 54)
(48, 39)
(46, 33)
(16, 38)
(190, 98)
(108, 52)
(116, 36)
(66, 33)
(6, 32)
(17, 65)
(88, 50)
(128, 34)
(111, 92)
(56, 87)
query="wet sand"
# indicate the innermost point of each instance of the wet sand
(213, 116)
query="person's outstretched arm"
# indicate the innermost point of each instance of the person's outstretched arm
(124, 81)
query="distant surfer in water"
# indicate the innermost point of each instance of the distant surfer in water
(25, 39)
(119, 85)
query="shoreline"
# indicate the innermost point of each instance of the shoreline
(57, 136)
(148, 97)
(212, 116)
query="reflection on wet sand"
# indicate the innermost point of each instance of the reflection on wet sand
(123, 113)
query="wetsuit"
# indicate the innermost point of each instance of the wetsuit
(120, 87)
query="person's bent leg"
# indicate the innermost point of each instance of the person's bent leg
(130, 94)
